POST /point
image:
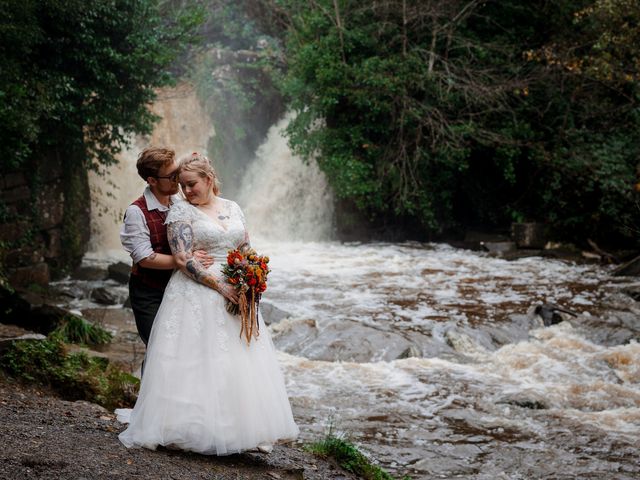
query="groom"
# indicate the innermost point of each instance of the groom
(144, 236)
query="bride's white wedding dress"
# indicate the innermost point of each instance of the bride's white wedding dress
(204, 389)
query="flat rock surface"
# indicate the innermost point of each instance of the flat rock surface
(44, 437)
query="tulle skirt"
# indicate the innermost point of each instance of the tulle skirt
(203, 388)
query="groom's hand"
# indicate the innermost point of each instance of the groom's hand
(203, 258)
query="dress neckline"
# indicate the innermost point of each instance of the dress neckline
(208, 217)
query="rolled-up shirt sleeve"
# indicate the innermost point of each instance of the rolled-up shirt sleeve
(135, 235)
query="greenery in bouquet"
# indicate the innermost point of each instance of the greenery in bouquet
(247, 272)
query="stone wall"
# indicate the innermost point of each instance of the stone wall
(33, 225)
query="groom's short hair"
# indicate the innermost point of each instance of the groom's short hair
(152, 159)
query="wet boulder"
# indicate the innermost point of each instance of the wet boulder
(272, 314)
(119, 272)
(105, 296)
(340, 341)
(498, 248)
(30, 311)
(90, 273)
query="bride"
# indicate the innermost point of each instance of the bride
(204, 388)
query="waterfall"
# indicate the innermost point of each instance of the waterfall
(184, 126)
(283, 197)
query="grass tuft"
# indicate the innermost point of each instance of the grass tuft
(77, 330)
(348, 457)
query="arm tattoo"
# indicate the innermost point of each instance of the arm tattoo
(152, 256)
(180, 235)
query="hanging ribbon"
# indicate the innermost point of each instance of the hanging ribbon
(249, 314)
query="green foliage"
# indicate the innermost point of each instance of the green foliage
(76, 376)
(460, 113)
(77, 330)
(348, 457)
(79, 75)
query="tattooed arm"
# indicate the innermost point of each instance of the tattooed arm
(158, 261)
(180, 236)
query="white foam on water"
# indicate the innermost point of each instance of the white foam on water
(376, 282)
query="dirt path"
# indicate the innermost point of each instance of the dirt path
(44, 437)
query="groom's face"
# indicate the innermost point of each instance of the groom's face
(166, 182)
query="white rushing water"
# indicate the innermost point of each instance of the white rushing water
(495, 377)
(285, 198)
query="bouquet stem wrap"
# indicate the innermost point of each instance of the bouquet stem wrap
(248, 303)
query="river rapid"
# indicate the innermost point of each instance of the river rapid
(432, 361)
(488, 392)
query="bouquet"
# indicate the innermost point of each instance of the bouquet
(247, 272)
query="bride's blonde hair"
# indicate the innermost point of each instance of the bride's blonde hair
(198, 163)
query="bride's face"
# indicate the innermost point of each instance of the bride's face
(196, 188)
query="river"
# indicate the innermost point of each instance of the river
(491, 392)
(488, 391)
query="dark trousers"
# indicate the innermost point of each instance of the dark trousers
(145, 302)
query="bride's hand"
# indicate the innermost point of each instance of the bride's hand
(203, 258)
(229, 292)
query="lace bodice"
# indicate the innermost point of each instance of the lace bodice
(216, 237)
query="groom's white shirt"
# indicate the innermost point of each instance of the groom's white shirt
(134, 233)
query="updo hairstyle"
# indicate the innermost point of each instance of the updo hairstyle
(198, 163)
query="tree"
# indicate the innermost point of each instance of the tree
(79, 75)
(435, 112)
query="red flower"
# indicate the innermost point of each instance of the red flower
(233, 258)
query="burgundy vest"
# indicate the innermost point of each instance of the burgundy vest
(155, 221)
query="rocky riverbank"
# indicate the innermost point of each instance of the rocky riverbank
(44, 437)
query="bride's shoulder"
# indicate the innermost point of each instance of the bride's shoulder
(229, 203)
(180, 204)
(180, 210)
(233, 207)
